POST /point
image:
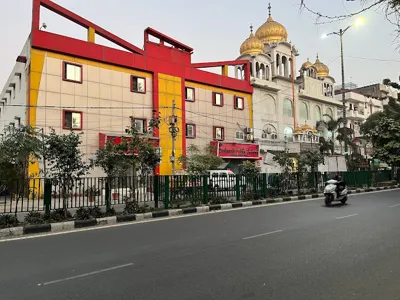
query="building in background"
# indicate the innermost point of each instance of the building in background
(286, 106)
(65, 83)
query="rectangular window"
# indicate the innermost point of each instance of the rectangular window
(219, 133)
(239, 103)
(140, 125)
(72, 120)
(189, 94)
(190, 131)
(72, 72)
(138, 84)
(239, 135)
(218, 99)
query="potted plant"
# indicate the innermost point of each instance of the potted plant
(92, 192)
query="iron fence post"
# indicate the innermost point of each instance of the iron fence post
(108, 196)
(47, 196)
(166, 191)
(156, 189)
(237, 187)
(264, 185)
(205, 189)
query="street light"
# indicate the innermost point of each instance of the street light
(340, 33)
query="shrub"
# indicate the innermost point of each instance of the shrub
(34, 218)
(7, 221)
(110, 212)
(249, 196)
(59, 214)
(95, 212)
(131, 206)
(83, 214)
(216, 199)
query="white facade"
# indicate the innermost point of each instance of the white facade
(281, 124)
(13, 97)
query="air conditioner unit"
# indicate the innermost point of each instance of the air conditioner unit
(248, 130)
(249, 137)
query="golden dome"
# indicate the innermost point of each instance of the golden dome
(271, 31)
(251, 45)
(322, 69)
(304, 129)
(306, 65)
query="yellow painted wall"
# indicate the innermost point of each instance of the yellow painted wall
(170, 88)
(37, 63)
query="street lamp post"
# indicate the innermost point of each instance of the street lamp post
(340, 33)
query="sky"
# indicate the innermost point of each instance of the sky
(216, 29)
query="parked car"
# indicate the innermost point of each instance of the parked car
(223, 179)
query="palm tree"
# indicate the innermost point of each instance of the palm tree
(344, 134)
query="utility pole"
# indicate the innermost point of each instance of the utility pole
(173, 119)
(341, 32)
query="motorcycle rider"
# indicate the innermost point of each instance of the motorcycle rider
(340, 184)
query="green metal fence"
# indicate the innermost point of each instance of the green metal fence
(170, 191)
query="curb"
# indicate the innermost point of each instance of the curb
(71, 225)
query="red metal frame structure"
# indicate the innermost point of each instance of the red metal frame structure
(156, 58)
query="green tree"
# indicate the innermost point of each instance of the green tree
(198, 162)
(142, 152)
(64, 161)
(19, 147)
(285, 161)
(309, 161)
(342, 134)
(248, 168)
(381, 130)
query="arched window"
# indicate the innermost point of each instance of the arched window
(329, 112)
(317, 113)
(287, 108)
(303, 111)
(270, 105)
(288, 133)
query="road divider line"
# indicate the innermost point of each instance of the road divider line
(394, 205)
(262, 234)
(338, 218)
(86, 274)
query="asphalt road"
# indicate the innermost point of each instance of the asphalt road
(281, 252)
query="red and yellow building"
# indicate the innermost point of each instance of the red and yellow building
(98, 89)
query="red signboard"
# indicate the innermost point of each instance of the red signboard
(237, 150)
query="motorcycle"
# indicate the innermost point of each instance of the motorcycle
(331, 194)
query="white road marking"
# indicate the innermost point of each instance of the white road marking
(34, 236)
(338, 218)
(395, 205)
(86, 274)
(263, 234)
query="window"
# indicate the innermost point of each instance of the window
(72, 72)
(317, 113)
(140, 125)
(329, 112)
(72, 120)
(303, 111)
(138, 84)
(288, 132)
(219, 133)
(239, 135)
(239, 103)
(287, 108)
(218, 99)
(190, 131)
(189, 94)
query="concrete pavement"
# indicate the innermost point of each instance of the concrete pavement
(295, 251)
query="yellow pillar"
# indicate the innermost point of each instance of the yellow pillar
(224, 70)
(91, 33)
